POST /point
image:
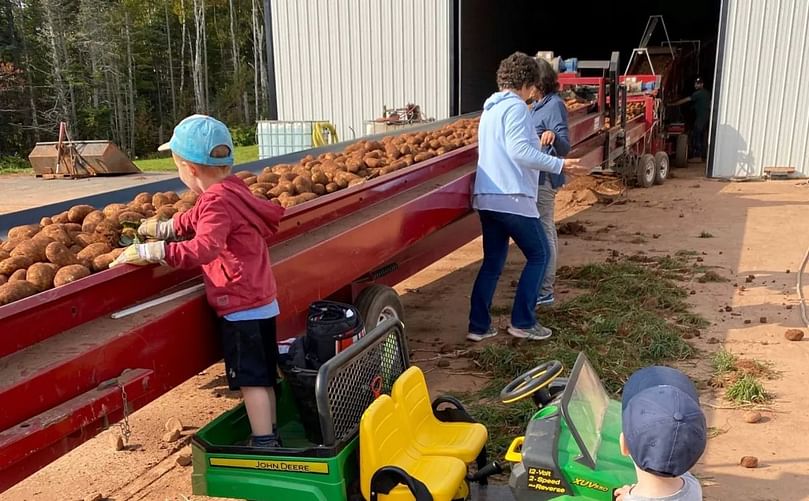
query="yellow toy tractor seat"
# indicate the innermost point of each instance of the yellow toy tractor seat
(391, 469)
(431, 436)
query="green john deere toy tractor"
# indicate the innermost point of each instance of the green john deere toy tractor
(569, 451)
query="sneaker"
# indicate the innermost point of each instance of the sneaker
(535, 333)
(265, 441)
(474, 336)
(546, 299)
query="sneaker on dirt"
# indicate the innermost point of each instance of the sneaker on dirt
(545, 300)
(535, 333)
(476, 337)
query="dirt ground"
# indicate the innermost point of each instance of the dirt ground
(758, 228)
(30, 191)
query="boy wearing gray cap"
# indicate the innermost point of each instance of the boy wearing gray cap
(664, 433)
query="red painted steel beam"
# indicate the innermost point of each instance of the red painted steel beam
(84, 300)
(35, 443)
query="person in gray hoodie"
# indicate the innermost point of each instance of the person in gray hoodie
(505, 193)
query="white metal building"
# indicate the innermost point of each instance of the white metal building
(761, 90)
(343, 60)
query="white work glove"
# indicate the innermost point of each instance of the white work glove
(142, 254)
(154, 228)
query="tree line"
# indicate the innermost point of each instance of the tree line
(127, 70)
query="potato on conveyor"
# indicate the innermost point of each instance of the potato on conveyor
(103, 261)
(42, 275)
(91, 220)
(14, 263)
(58, 254)
(70, 274)
(142, 198)
(92, 251)
(17, 276)
(112, 210)
(25, 231)
(14, 291)
(56, 233)
(76, 214)
(33, 249)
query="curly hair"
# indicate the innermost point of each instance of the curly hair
(548, 80)
(516, 71)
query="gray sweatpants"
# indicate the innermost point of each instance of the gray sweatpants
(546, 199)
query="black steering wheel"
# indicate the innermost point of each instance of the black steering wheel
(527, 384)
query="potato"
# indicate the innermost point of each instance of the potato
(91, 220)
(130, 217)
(159, 200)
(75, 249)
(111, 211)
(70, 274)
(9, 245)
(188, 196)
(320, 178)
(355, 182)
(92, 251)
(142, 198)
(183, 206)
(108, 231)
(82, 240)
(26, 231)
(319, 189)
(243, 174)
(45, 221)
(3, 279)
(392, 151)
(41, 275)
(76, 214)
(372, 163)
(332, 187)
(60, 218)
(288, 176)
(14, 263)
(166, 212)
(14, 291)
(281, 168)
(72, 227)
(303, 184)
(258, 189)
(270, 177)
(147, 207)
(398, 164)
(250, 180)
(405, 149)
(60, 255)
(33, 249)
(172, 196)
(4, 254)
(103, 261)
(423, 156)
(56, 233)
(18, 275)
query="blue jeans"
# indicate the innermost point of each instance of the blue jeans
(527, 233)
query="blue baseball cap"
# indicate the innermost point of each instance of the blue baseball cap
(195, 137)
(663, 424)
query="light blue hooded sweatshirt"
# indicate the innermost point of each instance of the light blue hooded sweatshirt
(509, 158)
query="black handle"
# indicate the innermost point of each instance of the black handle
(388, 477)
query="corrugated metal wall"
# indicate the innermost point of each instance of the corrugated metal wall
(762, 116)
(342, 60)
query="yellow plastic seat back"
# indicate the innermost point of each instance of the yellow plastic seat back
(385, 441)
(430, 435)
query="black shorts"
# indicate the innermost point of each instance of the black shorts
(250, 351)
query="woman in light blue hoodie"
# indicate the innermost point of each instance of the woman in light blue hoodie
(509, 162)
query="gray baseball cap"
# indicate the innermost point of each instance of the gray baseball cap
(663, 424)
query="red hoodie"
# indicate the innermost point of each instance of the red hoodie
(231, 229)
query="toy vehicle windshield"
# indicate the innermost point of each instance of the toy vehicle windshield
(584, 404)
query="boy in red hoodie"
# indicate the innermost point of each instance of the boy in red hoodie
(226, 233)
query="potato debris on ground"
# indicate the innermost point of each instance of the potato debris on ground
(749, 462)
(794, 334)
(752, 417)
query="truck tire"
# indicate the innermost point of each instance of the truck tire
(681, 151)
(647, 170)
(662, 167)
(378, 303)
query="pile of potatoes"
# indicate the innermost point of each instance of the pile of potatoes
(73, 244)
(69, 246)
(289, 185)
